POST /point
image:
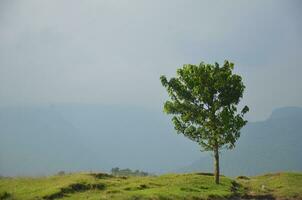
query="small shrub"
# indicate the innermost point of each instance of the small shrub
(101, 175)
(61, 173)
(127, 172)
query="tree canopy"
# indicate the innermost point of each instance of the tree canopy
(204, 100)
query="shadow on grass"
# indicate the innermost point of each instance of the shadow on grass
(74, 188)
(101, 175)
(6, 196)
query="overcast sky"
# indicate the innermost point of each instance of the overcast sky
(113, 52)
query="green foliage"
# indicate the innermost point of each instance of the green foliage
(127, 172)
(204, 101)
(61, 173)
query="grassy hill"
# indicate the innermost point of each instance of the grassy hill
(170, 186)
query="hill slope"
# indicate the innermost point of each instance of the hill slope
(102, 186)
(165, 187)
(279, 185)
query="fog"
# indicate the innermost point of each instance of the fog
(80, 88)
(113, 52)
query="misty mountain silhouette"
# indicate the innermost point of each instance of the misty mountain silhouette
(267, 146)
(43, 140)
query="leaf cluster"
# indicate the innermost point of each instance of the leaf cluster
(203, 102)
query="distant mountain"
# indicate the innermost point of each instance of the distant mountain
(267, 146)
(44, 140)
(37, 140)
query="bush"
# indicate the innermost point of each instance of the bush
(127, 172)
(61, 173)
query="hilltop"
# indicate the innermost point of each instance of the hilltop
(165, 187)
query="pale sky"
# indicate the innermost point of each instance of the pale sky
(113, 52)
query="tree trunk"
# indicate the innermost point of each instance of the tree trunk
(216, 165)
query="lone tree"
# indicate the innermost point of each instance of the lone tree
(204, 101)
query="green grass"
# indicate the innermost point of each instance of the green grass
(277, 185)
(171, 186)
(166, 187)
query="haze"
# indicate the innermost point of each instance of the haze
(113, 52)
(80, 88)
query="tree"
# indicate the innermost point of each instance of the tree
(204, 100)
(115, 170)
